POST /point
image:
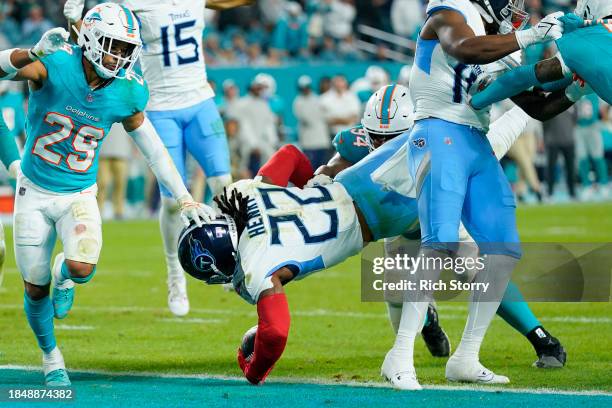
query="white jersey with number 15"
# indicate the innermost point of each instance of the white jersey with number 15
(172, 59)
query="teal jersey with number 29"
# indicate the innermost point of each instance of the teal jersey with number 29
(67, 122)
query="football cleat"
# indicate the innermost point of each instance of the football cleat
(57, 378)
(178, 302)
(63, 294)
(436, 340)
(464, 370)
(401, 378)
(551, 353)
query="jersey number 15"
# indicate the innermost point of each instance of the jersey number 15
(178, 42)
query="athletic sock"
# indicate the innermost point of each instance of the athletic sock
(516, 312)
(540, 339)
(483, 307)
(394, 311)
(53, 361)
(40, 317)
(171, 225)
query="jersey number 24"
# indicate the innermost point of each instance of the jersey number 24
(84, 142)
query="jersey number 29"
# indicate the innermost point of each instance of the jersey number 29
(84, 142)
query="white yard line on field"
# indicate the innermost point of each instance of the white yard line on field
(318, 381)
(307, 313)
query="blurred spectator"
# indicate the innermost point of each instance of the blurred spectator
(115, 153)
(375, 78)
(290, 37)
(407, 17)
(589, 143)
(328, 52)
(255, 57)
(348, 50)
(374, 13)
(231, 96)
(341, 106)
(271, 10)
(12, 109)
(403, 77)
(277, 104)
(34, 26)
(337, 17)
(313, 133)
(257, 130)
(559, 138)
(239, 170)
(9, 27)
(324, 84)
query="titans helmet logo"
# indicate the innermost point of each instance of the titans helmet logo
(201, 258)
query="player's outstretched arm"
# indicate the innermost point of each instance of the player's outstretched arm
(520, 79)
(272, 331)
(458, 39)
(227, 4)
(146, 138)
(334, 166)
(9, 153)
(23, 64)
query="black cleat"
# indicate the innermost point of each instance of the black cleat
(435, 338)
(549, 349)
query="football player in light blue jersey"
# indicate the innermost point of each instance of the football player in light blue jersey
(76, 94)
(181, 107)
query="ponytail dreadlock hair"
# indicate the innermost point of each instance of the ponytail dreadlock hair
(235, 206)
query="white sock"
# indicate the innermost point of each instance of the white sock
(53, 360)
(171, 226)
(412, 319)
(395, 315)
(482, 309)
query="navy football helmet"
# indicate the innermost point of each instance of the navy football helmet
(507, 15)
(209, 252)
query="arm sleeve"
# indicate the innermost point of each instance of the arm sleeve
(506, 86)
(158, 159)
(505, 130)
(271, 337)
(8, 146)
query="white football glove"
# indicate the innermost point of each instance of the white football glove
(577, 89)
(14, 169)
(73, 10)
(51, 41)
(194, 211)
(548, 29)
(319, 180)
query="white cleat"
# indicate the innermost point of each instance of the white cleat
(401, 378)
(178, 303)
(468, 370)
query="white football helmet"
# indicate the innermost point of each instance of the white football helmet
(104, 24)
(388, 113)
(594, 9)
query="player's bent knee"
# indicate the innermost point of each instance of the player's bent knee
(80, 272)
(36, 292)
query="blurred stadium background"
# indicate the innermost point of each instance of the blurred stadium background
(297, 72)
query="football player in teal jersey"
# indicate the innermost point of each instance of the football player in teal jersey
(585, 51)
(76, 94)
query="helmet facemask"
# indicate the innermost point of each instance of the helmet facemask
(509, 18)
(110, 33)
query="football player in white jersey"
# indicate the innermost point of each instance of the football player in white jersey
(457, 177)
(181, 107)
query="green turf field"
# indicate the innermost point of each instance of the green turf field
(120, 322)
